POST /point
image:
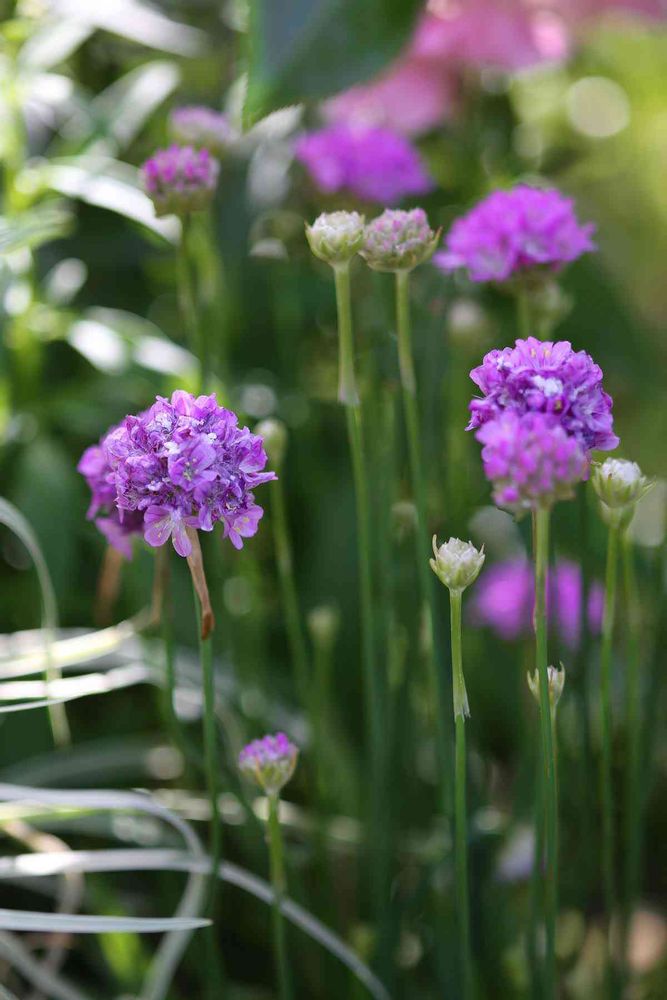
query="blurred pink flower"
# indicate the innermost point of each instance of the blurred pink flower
(419, 90)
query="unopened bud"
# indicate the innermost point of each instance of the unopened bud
(398, 240)
(335, 237)
(456, 563)
(555, 681)
(323, 625)
(269, 761)
(619, 484)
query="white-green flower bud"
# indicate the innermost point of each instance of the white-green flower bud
(619, 484)
(335, 237)
(456, 563)
(555, 682)
(274, 435)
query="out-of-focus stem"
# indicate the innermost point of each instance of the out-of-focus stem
(279, 885)
(285, 564)
(426, 583)
(541, 535)
(348, 394)
(633, 806)
(187, 299)
(460, 703)
(608, 846)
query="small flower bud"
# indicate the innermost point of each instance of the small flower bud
(274, 435)
(456, 564)
(180, 179)
(335, 237)
(270, 762)
(323, 624)
(398, 240)
(619, 485)
(556, 683)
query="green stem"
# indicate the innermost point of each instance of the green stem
(523, 313)
(536, 896)
(608, 848)
(633, 780)
(215, 980)
(188, 303)
(348, 394)
(285, 564)
(373, 694)
(541, 529)
(279, 884)
(460, 701)
(586, 770)
(426, 583)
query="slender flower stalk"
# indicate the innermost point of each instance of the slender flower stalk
(550, 795)
(271, 762)
(168, 689)
(633, 811)
(619, 484)
(187, 297)
(397, 242)
(279, 885)
(457, 565)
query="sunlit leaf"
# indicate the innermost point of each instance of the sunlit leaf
(121, 110)
(133, 20)
(52, 43)
(34, 227)
(105, 183)
(307, 49)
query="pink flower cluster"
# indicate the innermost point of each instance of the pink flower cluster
(420, 90)
(531, 460)
(373, 164)
(269, 761)
(182, 464)
(504, 600)
(180, 179)
(517, 232)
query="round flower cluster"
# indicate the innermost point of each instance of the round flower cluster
(516, 233)
(199, 126)
(551, 378)
(531, 460)
(180, 179)
(269, 761)
(398, 240)
(504, 600)
(182, 464)
(94, 466)
(373, 164)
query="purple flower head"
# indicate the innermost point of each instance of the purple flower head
(202, 127)
(270, 761)
(183, 463)
(95, 468)
(531, 461)
(180, 179)
(544, 377)
(398, 240)
(374, 164)
(513, 233)
(505, 595)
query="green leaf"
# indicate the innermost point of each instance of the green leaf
(308, 49)
(35, 227)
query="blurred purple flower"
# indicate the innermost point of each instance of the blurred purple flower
(199, 126)
(183, 463)
(545, 377)
(270, 761)
(180, 179)
(374, 164)
(530, 459)
(505, 594)
(515, 232)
